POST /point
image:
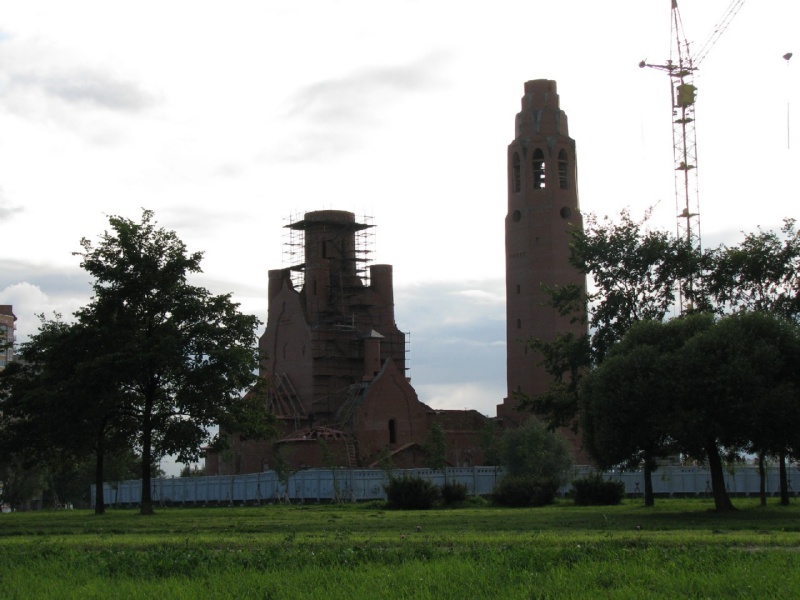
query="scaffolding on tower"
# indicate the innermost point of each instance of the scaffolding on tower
(294, 250)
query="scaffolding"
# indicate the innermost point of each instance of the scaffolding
(293, 256)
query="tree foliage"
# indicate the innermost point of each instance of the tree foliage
(744, 371)
(697, 385)
(634, 378)
(435, 448)
(627, 403)
(152, 361)
(537, 462)
(62, 403)
(21, 480)
(762, 273)
(182, 354)
(635, 272)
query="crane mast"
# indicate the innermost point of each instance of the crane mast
(681, 67)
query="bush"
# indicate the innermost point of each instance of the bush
(524, 490)
(411, 493)
(593, 490)
(533, 451)
(453, 493)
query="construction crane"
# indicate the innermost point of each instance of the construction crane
(681, 67)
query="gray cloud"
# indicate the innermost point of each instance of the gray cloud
(347, 98)
(456, 336)
(332, 114)
(86, 87)
(55, 281)
(34, 289)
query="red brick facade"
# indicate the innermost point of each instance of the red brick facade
(335, 362)
(335, 359)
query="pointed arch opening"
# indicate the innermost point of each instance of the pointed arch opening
(516, 176)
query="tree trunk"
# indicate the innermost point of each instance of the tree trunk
(762, 478)
(99, 492)
(649, 499)
(784, 479)
(722, 502)
(146, 504)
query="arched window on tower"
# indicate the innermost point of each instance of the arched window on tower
(538, 169)
(392, 431)
(516, 182)
(562, 169)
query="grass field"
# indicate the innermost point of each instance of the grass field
(679, 549)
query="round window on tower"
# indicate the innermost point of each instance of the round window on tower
(516, 216)
(566, 213)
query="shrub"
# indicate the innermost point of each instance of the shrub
(453, 493)
(594, 490)
(524, 490)
(412, 493)
(534, 451)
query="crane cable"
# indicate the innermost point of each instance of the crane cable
(719, 29)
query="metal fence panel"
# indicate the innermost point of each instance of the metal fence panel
(324, 485)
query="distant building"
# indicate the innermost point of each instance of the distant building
(7, 328)
(335, 363)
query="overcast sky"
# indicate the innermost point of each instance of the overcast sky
(227, 118)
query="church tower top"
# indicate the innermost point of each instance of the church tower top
(540, 114)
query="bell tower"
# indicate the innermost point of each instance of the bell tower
(542, 209)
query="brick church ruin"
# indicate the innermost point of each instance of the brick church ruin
(335, 361)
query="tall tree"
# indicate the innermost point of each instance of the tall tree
(636, 273)
(736, 388)
(670, 385)
(182, 355)
(627, 403)
(762, 273)
(760, 368)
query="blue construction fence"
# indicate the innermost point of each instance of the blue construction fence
(355, 485)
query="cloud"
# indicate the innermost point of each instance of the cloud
(35, 289)
(483, 397)
(428, 306)
(330, 112)
(356, 96)
(457, 352)
(85, 87)
(482, 296)
(29, 301)
(41, 81)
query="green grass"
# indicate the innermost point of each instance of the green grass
(680, 549)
